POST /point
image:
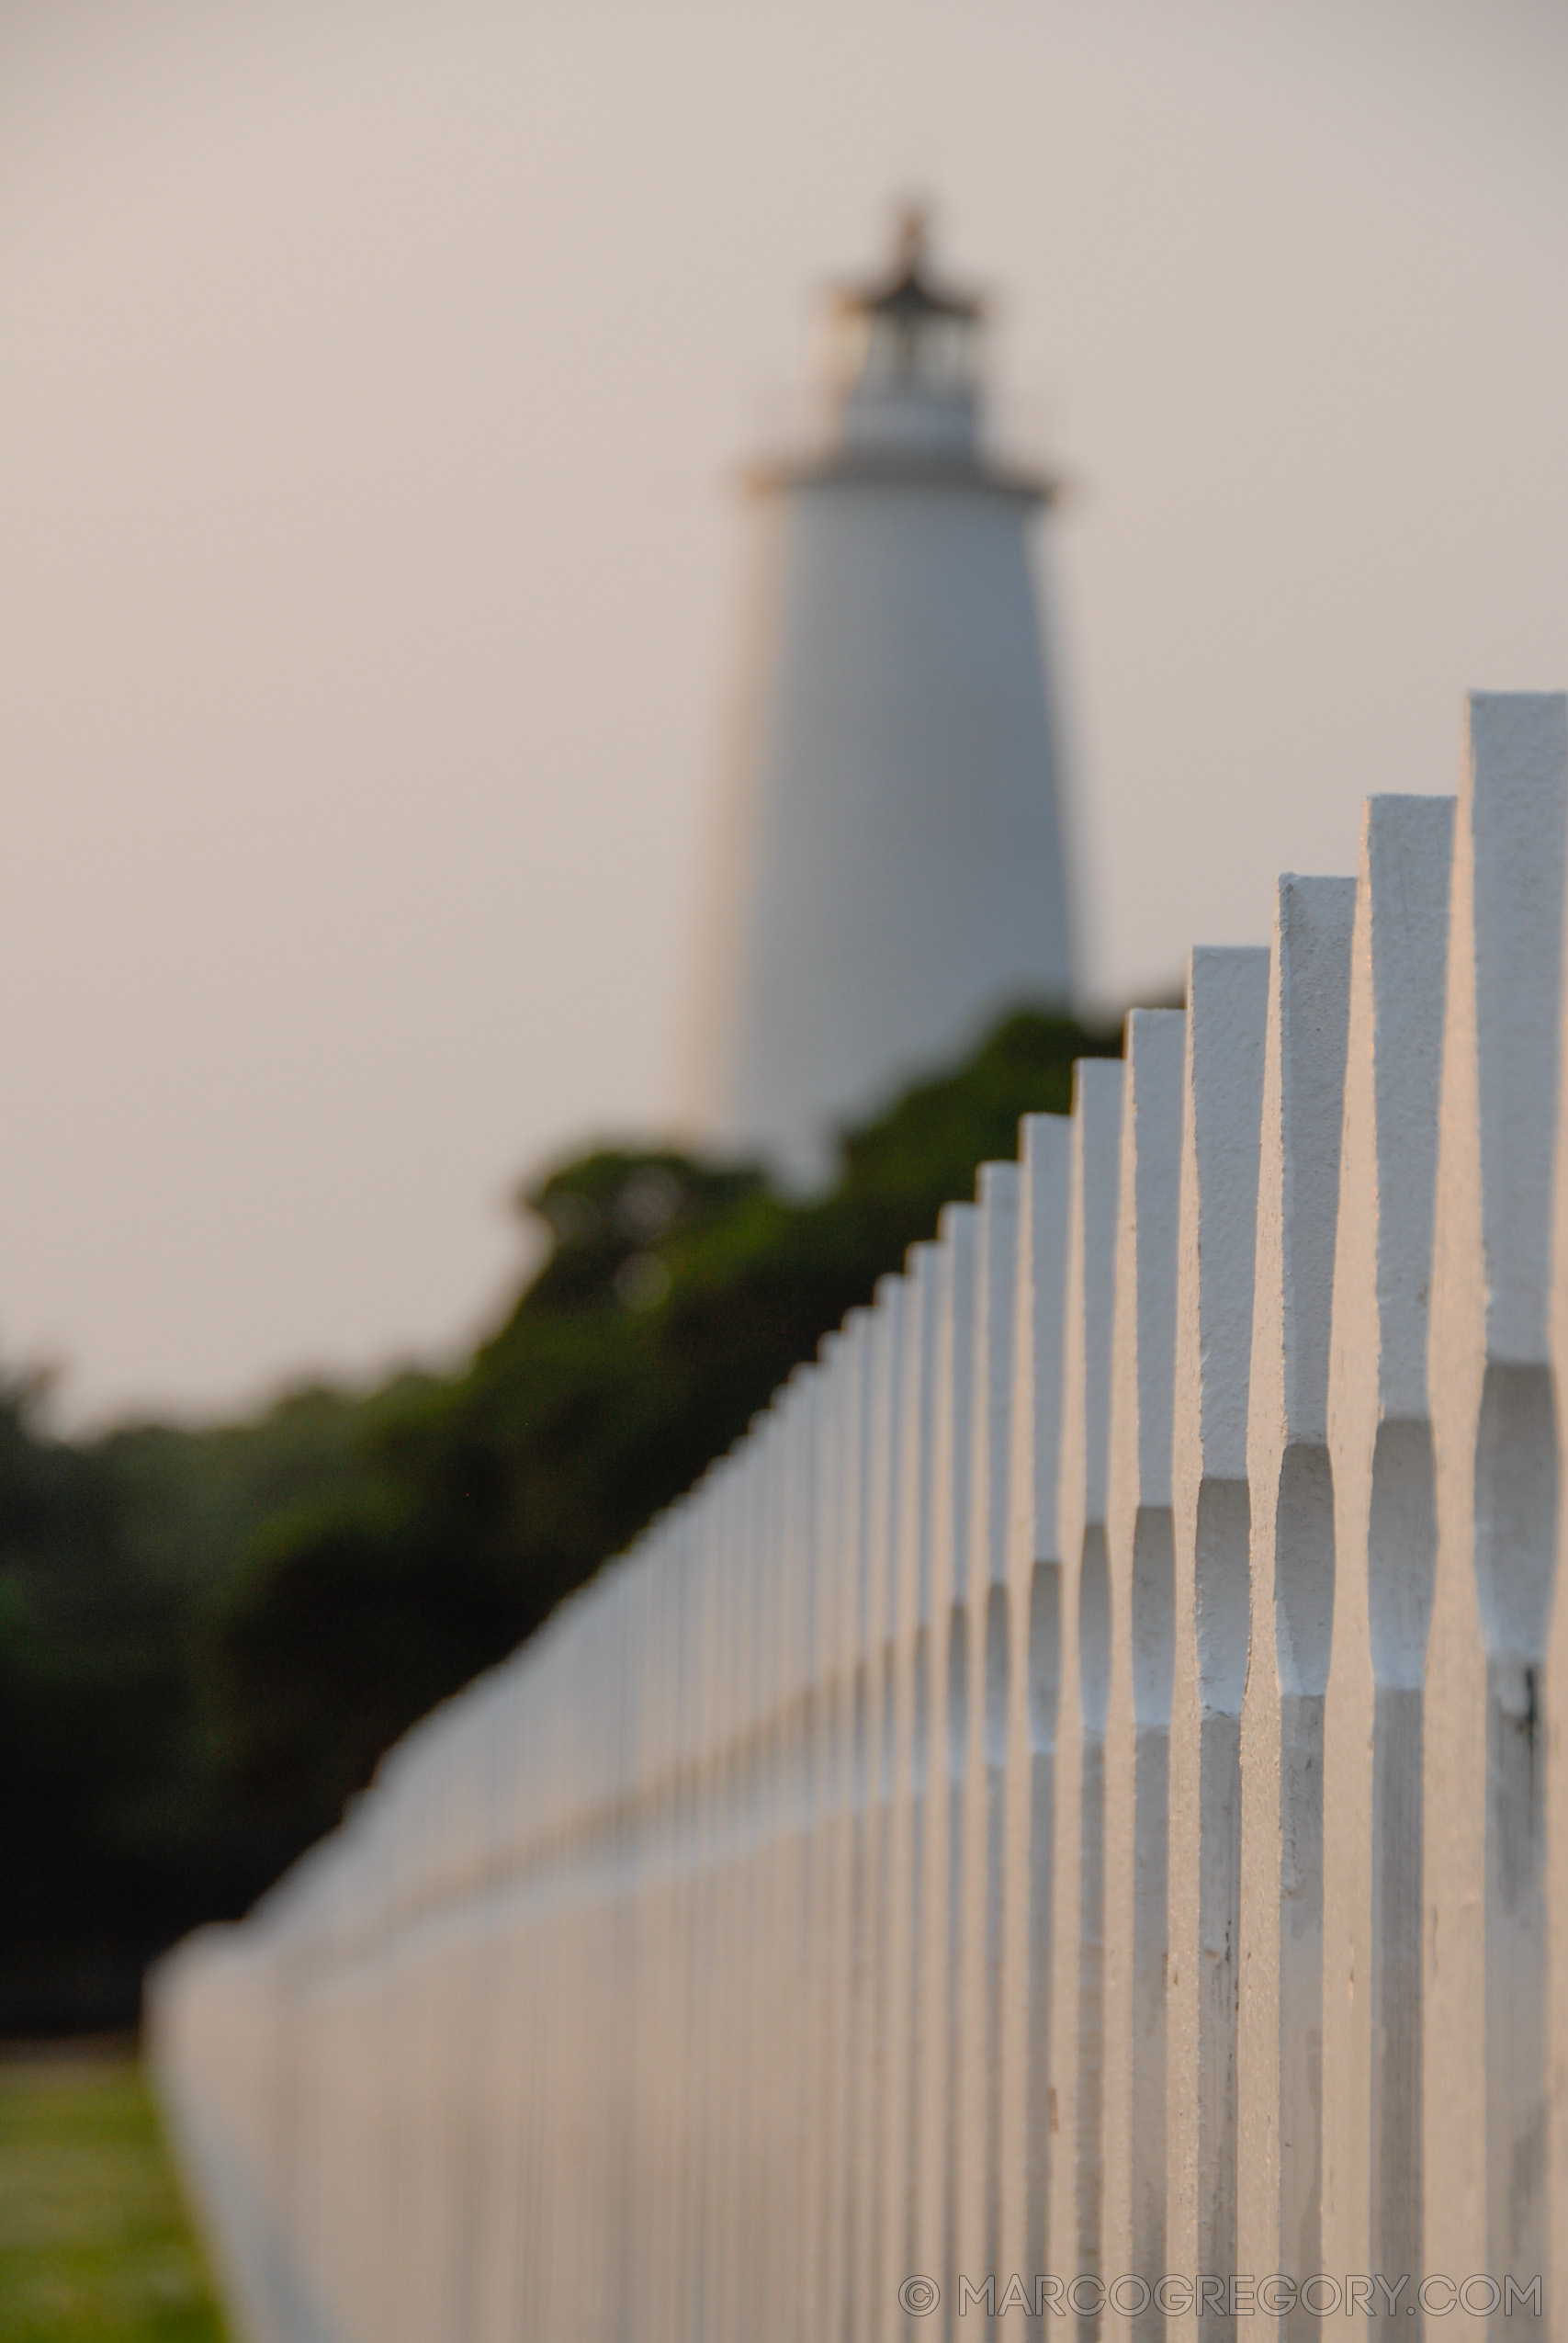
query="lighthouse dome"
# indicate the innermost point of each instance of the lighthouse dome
(909, 356)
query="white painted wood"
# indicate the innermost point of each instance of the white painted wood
(1280, 2030)
(912, 1463)
(758, 2040)
(1384, 1533)
(1227, 995)
(834, 1832)
(1556, 1737)
(1494, 1423)
(799, 1917)
(1033, 1573)
(1074, 2102)
(796, 2116)
(928, 1840)
(945, 1676)
(874, 1819)
(1141, 1561)
(977, 2084)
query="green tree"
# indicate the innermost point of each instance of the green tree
(209, 1637)
(675, 1297)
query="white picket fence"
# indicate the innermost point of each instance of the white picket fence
(1065, 1820)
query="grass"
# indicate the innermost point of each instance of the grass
(94, 2243)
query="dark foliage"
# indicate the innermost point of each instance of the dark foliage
(90, 1727)
(207, 1639)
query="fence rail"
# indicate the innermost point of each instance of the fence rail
(1066, 1821)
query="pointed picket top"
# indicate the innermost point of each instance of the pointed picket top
(957, 1229)
(1143, 1376)
(922, 1271)
(1227, 992)
(1298, 1195)
(884, 1492)
(995, 1295)
(1091, 1280)
(1388, 1178)
(1500, 1066)
(1046, 1165)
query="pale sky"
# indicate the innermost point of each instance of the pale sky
(375, 379)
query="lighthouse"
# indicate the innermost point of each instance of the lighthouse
(893, 871)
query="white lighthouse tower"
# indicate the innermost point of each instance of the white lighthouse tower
(896, 875)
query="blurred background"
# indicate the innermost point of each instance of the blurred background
(376, 381)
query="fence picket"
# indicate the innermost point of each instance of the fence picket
(1008, 1840)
